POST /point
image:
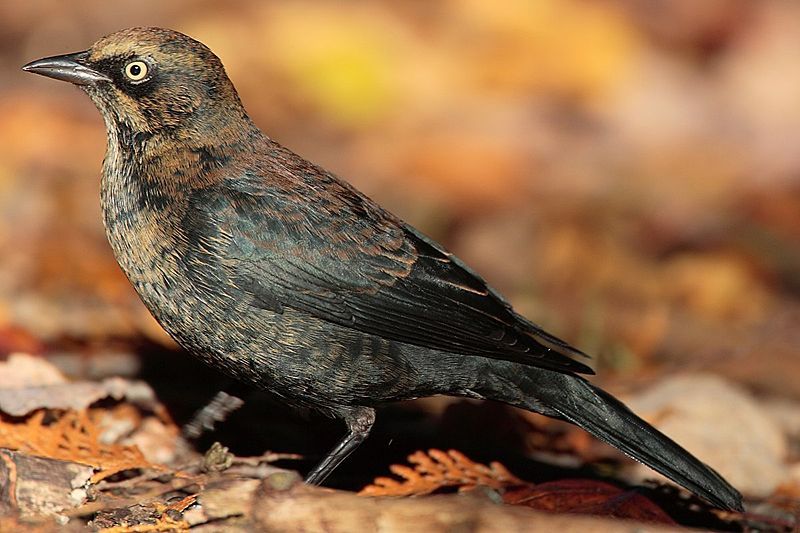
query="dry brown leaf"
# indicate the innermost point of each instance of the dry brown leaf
(22, 371)
(76, 396)
(434, 470)
(587, 496)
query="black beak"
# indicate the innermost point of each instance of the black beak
(69, 67)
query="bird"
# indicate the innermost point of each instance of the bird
(283, 276)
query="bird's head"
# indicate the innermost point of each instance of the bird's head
(151, 80)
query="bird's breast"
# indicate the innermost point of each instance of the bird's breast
(145, 233)
(144, 241)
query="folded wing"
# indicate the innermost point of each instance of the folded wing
(342, 259)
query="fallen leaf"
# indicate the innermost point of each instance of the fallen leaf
(434, 470)
(74, 436)
(75, 396)
(587, 497)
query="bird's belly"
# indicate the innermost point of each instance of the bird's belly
(292, 354)
(304, 360)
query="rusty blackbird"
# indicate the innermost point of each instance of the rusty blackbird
(285, 277)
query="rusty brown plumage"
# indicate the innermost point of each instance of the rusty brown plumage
(278, 273)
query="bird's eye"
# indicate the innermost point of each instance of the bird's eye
(136, 70)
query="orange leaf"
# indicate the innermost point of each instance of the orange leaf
(73, 436)
(434, 470)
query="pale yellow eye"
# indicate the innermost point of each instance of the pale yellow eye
(136, 70)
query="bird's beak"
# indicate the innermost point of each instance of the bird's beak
(69, 67)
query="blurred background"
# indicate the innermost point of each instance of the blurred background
(626, 172)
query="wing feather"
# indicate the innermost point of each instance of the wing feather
(341, 258)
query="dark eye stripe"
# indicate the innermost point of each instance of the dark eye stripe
(114, 67)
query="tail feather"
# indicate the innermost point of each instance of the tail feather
(576, 400)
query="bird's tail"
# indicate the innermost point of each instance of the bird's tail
(576, 400)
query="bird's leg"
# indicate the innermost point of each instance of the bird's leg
(359, 422)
